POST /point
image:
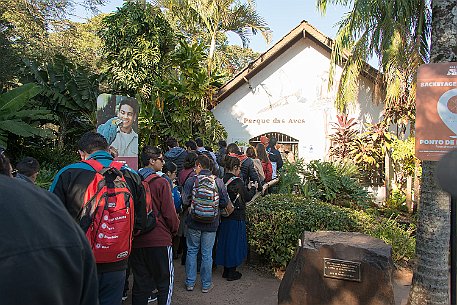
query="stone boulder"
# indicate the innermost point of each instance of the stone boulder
(339, 268)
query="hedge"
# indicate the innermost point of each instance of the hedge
(276, 222)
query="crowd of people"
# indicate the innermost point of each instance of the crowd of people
(187, 201)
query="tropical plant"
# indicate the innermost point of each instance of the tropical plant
(368, 152)
(17, 115)
(292, 176)
(29, 23)
(136, 43)
(181, 102)
(404, 160)
(343, 138)
(69, 92)
(232, 59)
(398, 33)
(336, 184)
(216, 17)
(430, 283)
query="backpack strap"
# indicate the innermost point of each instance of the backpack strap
(231, 180)
(96, 165)
(187, 177)
(151, 177)
(116, 165)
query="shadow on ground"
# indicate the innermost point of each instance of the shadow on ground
(254, 288)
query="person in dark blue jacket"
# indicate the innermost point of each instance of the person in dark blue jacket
(201, 235)
(175, 154)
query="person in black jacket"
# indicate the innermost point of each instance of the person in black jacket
(232, 246)
(248, 173)
(70, 185)
(44, 256)
(275, 156)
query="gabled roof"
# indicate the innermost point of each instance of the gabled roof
(302, 31)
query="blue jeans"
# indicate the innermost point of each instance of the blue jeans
(195, 239)
(110, 287)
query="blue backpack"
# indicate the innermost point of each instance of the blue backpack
(177, 199)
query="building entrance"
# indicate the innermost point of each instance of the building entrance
(288, 146)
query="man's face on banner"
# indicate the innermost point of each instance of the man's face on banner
(127, 116)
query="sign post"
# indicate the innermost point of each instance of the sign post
(436, 135)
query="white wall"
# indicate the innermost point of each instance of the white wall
(290, 96)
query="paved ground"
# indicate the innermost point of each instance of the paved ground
(254, 288)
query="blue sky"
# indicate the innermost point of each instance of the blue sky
(281, 16)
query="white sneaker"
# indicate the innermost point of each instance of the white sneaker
(124, 296)
(152, 298)
(206, 290)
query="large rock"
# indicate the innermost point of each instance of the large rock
(358, 271)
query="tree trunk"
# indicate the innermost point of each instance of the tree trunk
(212, 48)
(431, 277)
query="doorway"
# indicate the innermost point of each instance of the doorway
(288, 146)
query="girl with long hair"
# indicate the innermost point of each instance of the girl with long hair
(266, 164)
(232, 245)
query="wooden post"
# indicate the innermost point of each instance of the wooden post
(388, 175)
(409, 193)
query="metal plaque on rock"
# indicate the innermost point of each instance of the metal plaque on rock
(342, 269)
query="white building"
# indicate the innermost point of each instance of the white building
(284, 94)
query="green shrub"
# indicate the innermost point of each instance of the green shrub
(390, 231)
(292, 174)
(276, 222)
(46, 175)
(335, 183)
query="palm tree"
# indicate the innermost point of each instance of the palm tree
(397, 32)
(216, 17)
(431, 278)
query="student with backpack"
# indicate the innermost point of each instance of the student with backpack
(107, 199)
(152, 257)
(265, 162)
(232, 245)
(175, 154)
(204, 195)
(251, 153)
(169, 169)
(186, 173)
(248, 173)
(275, 157)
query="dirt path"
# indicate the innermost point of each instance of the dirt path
(254, 288)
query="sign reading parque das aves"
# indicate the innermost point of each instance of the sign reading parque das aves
(436, 110)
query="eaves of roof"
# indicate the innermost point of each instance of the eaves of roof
(303, 31)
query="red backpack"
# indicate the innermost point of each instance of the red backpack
(107, 215)
(151, 219)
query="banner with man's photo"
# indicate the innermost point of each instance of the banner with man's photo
(117, 121)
